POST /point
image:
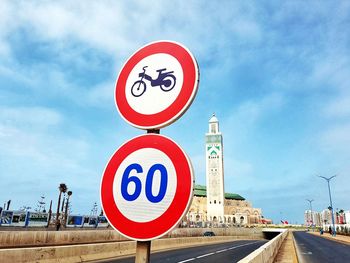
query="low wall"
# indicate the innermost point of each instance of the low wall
(252, 233)
(267, 252)
(13, 239)
(41, 238)
(87, 252)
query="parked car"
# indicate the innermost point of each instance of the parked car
(209, 234)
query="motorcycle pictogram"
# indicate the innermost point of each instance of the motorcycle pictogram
(165, 80)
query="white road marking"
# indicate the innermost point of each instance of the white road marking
(216, 252)
(221, 250)
(307, 253)
(190, 259)
(205, 255)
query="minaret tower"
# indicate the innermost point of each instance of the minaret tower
(214, 172)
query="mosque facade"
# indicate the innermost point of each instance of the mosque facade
(211, 205)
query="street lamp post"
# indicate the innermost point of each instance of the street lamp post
(330, 200)
(312, 219)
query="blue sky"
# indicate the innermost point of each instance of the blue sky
(275, 73)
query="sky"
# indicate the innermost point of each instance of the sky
(274, 72)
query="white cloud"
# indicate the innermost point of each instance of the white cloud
(94, 23)
(252, 111)
(241, 170)
(39, 150)
(198, 163)
(30, 117)
(336, 140)
(101, 95)
(38, 135)
(248, 29)
(338, 107)
(332, 71)
(4, 48)
(7, 24)
(115, 29)
(118, 28)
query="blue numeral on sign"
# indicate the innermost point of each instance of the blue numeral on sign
(126, 179)
(163, 183)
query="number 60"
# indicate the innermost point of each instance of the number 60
(126, 179)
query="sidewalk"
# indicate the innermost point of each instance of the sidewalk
(340, 238)
(286, 253)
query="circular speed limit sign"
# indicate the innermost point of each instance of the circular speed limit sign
(157, 85)
(147, 187)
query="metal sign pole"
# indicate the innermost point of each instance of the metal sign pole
(156, 131)
(143, 249)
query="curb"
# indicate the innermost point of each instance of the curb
(295, 257)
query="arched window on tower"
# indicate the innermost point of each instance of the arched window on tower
(212, 128)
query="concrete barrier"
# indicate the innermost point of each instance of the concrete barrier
(87, 252)
(267, 252)
(15, 239)
(39, 238)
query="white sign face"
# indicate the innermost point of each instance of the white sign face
(154, 83)
(145, 209)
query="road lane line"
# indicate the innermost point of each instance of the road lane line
(190, 259)
(205, 255)
(216, 252)
(243, 245)
(219, 251)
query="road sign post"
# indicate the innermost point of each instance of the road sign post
(143, 251)
(147, 186)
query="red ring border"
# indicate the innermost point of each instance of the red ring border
(181, 103)
(178, 207)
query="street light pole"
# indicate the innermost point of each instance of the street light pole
(312, 219)
(330, 200)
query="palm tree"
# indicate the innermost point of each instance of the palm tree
(62, 188)
(66, 210)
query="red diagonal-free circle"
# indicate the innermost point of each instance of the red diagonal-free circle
(181, 103)
(177, 208)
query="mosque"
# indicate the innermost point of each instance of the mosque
(211, 206)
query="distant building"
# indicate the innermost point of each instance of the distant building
(308, 221)
(347, 217)
(237, 210)
(326, 217)
(312, 218)
(318, 219)
(211, 205)
(340, 218)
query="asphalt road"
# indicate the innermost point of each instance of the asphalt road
(225, 252)
(315, 249)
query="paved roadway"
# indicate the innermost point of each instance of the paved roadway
(315, 249)
(224, 252)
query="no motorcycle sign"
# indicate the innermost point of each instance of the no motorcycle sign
(156, 85)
